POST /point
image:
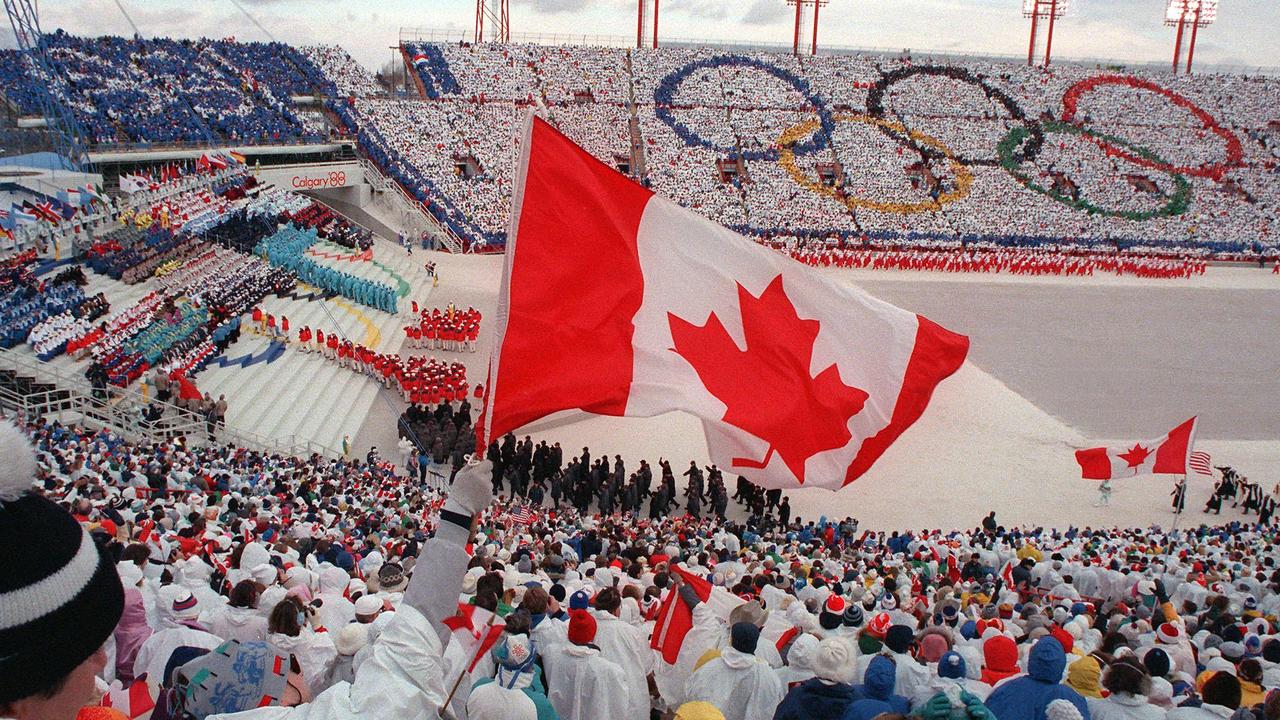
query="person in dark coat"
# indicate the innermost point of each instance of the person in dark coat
(875, 695)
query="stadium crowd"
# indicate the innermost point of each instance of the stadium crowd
(216, 580)
(157, 90)
(1194, 177)
(892, 148)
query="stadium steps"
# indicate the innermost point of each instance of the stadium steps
(338, 409)
(311, 395)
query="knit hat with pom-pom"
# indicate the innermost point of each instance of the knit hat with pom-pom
(60, 596)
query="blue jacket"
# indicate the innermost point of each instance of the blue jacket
(875, 695)
(1027, 697)
(814, 698)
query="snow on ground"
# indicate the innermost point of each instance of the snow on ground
(981, 446)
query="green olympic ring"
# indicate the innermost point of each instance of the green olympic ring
(1178, 203)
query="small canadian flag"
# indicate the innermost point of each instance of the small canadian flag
(1166, 455)
(616, 301)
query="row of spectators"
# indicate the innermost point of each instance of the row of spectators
(1012, 262)
(349, 579)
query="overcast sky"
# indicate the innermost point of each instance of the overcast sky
(1247, 32)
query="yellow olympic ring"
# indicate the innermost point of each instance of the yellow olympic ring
(787, 158)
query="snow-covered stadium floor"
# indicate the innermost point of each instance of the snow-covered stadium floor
(1056, 364)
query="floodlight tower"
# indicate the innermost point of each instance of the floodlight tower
(1036, 9)
(800, 5)
(641, 12)
(497, 13)
(1197, 13)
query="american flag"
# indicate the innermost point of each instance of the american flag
(1199, 461)
(522, 515)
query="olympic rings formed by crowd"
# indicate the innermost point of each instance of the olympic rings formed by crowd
(664, 100)
(876, 108)
(1022, 144)
(787, 158)
(1176, 205)
(1214, 171)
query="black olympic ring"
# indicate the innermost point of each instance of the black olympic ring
(875, 107)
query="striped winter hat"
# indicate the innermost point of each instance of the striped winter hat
(60, 597)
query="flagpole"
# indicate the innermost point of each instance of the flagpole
(466, 668)
(1177, 512)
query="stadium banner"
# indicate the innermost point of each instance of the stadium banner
(619, 302)
(329, 176)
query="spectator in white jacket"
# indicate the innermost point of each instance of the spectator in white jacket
(290, 630)
(1130, 687)
(737, 682)
(239, 619)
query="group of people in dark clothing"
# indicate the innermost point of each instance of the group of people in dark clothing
(1236, 487)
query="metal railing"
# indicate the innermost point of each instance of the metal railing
(71, 398)
(380, 182)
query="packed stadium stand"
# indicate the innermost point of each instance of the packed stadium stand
(873, 150)
(809, 153)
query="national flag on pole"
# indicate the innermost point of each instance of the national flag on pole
(420, 59)
(46, 211)
(133, 183)
(89, 193)
(1199, 461)
(522, 515)
(1166, 455)
(22, 216)
(202, 162)
(803, 379)
(1006, 574)
(217, 161)
(476, 630)
(675, 617)
(237, 157)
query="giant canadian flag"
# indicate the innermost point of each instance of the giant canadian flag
(1166, 455)
(619, 302)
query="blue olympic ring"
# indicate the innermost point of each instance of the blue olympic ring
(664, 99)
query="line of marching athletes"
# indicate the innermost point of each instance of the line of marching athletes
(419, 379)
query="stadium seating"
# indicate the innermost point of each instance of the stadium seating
(864, 149)
(163, 90)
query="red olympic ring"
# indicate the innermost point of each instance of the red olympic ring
(1215, 171)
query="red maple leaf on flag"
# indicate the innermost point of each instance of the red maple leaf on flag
(1136, 455)
(767, 387)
